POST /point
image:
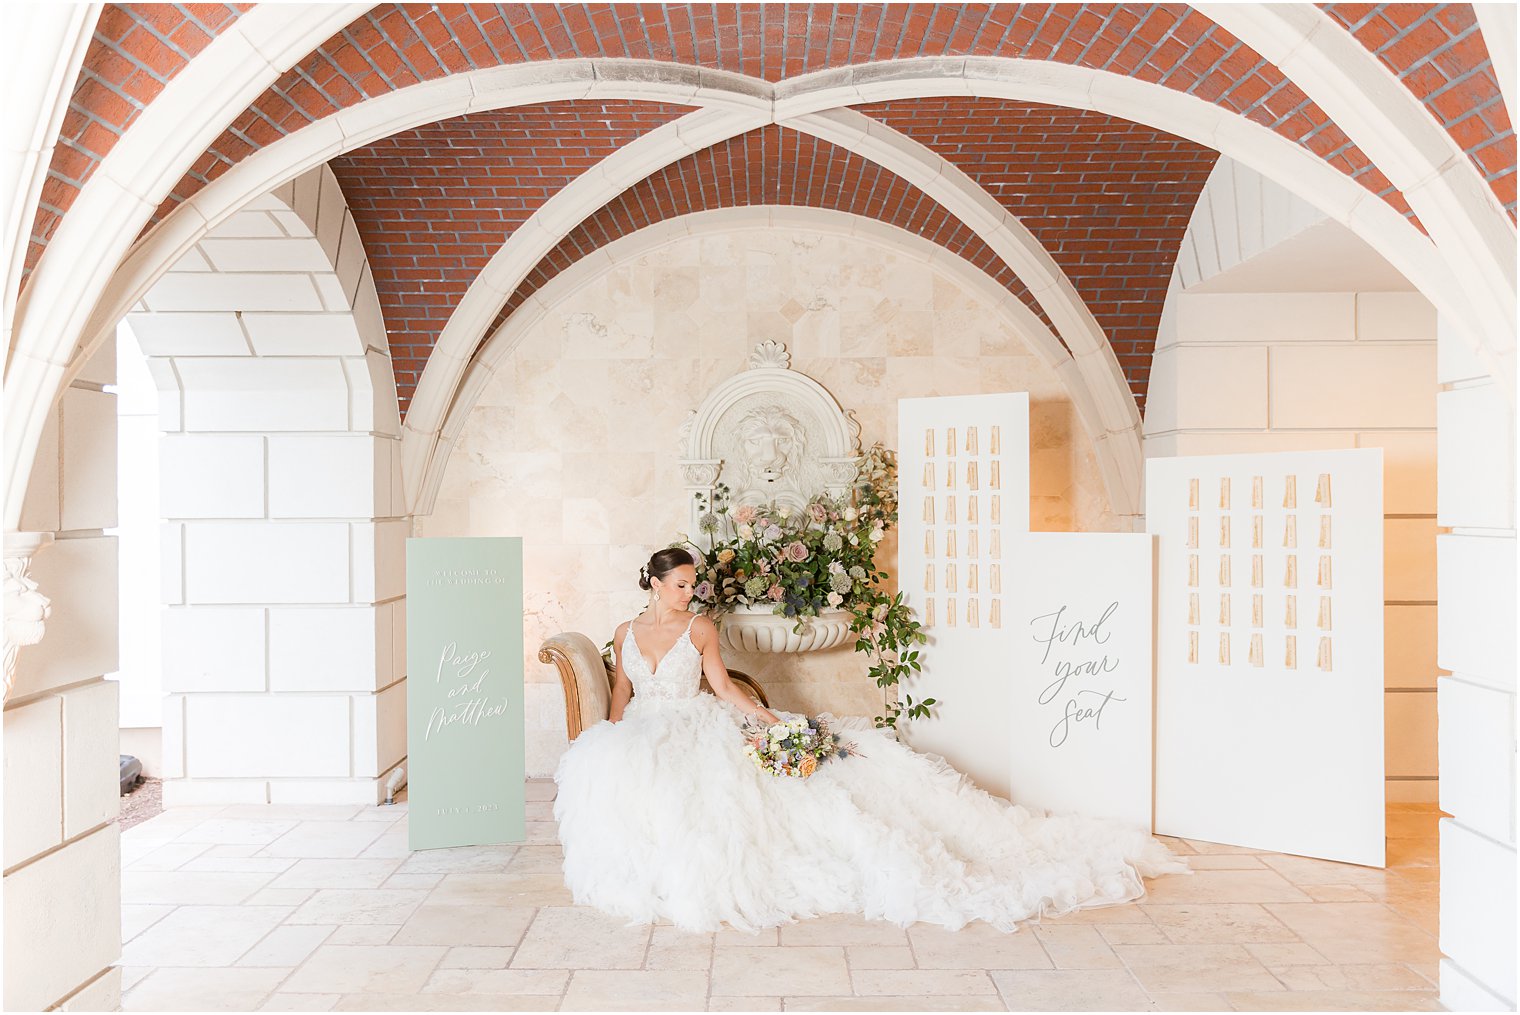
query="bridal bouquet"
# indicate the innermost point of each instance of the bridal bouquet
(794, 748)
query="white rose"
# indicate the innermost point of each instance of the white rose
(746, 532)
(850, 514)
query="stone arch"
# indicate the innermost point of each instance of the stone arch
(280, 461)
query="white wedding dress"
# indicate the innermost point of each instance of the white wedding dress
(662, 816)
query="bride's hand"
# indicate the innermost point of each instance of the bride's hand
(764, 716)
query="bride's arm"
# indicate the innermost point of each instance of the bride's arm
(622, 687)
(704, 634)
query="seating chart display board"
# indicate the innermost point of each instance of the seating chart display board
(963, 481)
(1269, 650)
(464, 655)
(1079, 615)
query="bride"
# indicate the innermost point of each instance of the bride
(662, 816)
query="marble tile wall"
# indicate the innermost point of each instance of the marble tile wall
(574, 445)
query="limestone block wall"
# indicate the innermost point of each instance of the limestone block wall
(1476, 646)
(1250, 357)
(62, 845)
(285, 530)
(573, 445)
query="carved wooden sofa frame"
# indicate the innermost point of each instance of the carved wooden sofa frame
(587, 679)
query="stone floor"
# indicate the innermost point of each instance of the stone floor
(323, 908)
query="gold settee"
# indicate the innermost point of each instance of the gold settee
(586, 677)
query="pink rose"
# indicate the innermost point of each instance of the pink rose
(776, 592)
(819, 512)
(745, 514)
(796, 552)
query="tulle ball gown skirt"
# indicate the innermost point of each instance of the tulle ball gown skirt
(662, 817)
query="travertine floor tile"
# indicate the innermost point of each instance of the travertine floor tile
(299, 1002)
(636, 990)
(880, 957)
(1225, 861)
(497, 981)
(843, 930)
(565, 938)
(446, 1002)
(238, 864)
(1191, 968)
(670, 948)
(225, 831)
(1384, 976)
(977, 946)
(1070, 990)
(1215, 923)
(1190, 1002)
(1358, 932)
(1291, 954)
(364, 934)
(325, 840)
(203, 990)
(1224, 886)
(1146, 933)
(903, 982)
(503, 888)
(806, 970)
(464, 925)
(977, 1002)
(745, 939)
(188, 888)
(1077, 947)
(476, 957)
(209, 936)
(744, 1004)
(137, 918)
(355, 969)
(1336, 1000)
(286, 946)
(335, 874)
(343, 906)
(1302, 870)
(539, 789)
(169, 856)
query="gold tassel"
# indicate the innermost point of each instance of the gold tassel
(950, 477)
(1324, 613)
(1290, 612)
(950, 543)
(929, 443)
(1192, 568)
(971, 577)
(996, 551)
(1322, 657)
(1258, 578)
(1290, 533)
(997, 440)
(1192, 536)
(1323, 579)
(1322, 490)
(1224, 649)
(1256, 651)
(1192, 646)
(950, 441)
(1290, 652)
(950, 612)
(1193, 612)
(929, 510)
(1224, 494)
(1224, 570)
(1256, 495)
(929, 613)
(1258, 610)
(1290, 492)
(971, 478)
(1224, 609)
(928, 475)
(972, 620)
(997, 475)
(971, 503)
(929, 543)
(950, 509)
(995, 618)
(1324, 532)
(1192, 495)
(929, 578)
(996, 579)
(971, 439)
(1224, 532)
(950, 582)
(971, 543)
(1257, 526)
(1290, 572)
(997, 509)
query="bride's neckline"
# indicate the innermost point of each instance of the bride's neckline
(655, 669)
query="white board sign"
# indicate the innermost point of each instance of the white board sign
(1079, 610)
(963, 486)
(1269, 650)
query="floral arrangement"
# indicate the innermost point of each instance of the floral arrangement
(804, 562)
(794, 748)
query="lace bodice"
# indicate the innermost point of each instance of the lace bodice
(675, 677)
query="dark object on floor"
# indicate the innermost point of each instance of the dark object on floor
(131, 773)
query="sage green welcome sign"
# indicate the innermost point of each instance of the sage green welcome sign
(464, 656)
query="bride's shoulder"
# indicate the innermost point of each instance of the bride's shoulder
(702, 627)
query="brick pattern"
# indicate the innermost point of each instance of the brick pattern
(1170, 44)
(772, 165)
(1438, 52)
(433, 205)
(1110, 199)
(135, 51)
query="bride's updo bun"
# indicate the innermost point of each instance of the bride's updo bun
(662, 563)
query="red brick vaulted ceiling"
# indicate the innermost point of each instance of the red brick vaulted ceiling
(769, 166)
(1109, 199)
(395, 46)
(135, 51)
(1438, 52)
(433, 204)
